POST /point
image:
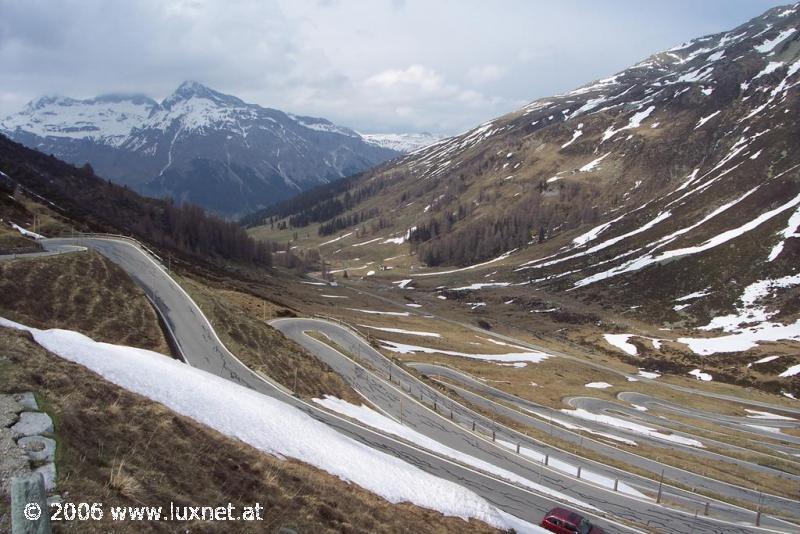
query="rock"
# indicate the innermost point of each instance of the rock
(29, 490)
(54, 499)
(38, 448)
(31, 423)
(13, 461)
(27, 400)
(48, 472)
(9, 410)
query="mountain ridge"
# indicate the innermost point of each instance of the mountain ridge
(196, 145)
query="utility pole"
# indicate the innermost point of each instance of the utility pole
(758, 510)
(660, 486)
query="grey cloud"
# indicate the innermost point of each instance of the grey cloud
(392, 65)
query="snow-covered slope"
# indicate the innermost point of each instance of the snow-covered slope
(405, 143)
(106, 119)
(197, 145)
(265, 423)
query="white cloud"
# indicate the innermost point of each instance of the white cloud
(487, 73)
(414, 77)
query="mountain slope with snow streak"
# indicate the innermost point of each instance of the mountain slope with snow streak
(678, 175)
(405, 143)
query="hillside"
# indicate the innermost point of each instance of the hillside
(197, 145)
(666, 195)
(404, 143)
(122, 449)
(77, 199)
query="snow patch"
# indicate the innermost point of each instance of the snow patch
(401, 331)
(267, 424)
(402, 348)
(589, 167)
(700, 375)
(598, 385)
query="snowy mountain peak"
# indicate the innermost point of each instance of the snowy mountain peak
(322, 125)
(106, 119)
(189, 90)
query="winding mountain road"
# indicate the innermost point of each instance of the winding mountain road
(453, 426)
(527, 412)
(199, 346)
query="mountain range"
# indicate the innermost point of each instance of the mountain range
(669, 192)
(202, 146)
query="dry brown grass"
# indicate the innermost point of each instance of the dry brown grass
(12, 242)
(240, 321)
(142, 452)
(84, 292)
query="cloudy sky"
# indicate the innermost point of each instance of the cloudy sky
(375, 65)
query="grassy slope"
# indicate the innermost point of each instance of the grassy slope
(83, 292)
(119, 448)
(240, 321)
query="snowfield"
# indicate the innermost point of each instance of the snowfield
(765, 359)
(26, 233)
(700, 375)
(401, 331)
(572, 426)
(620, 341)
(756, 414)
(592, 165)
(402, 348)
(265, 423)
(791, 371)
(469, 267)
(750, 324)
(598, 385)
(376, 312)
(630, 426)
(480, 285)
(648, 374)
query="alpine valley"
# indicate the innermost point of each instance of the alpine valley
(581, 316)
(667, 194)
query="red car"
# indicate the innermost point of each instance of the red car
(564, 521)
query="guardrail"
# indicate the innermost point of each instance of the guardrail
(78, 235)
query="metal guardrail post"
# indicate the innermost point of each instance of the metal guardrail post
(29, 511)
